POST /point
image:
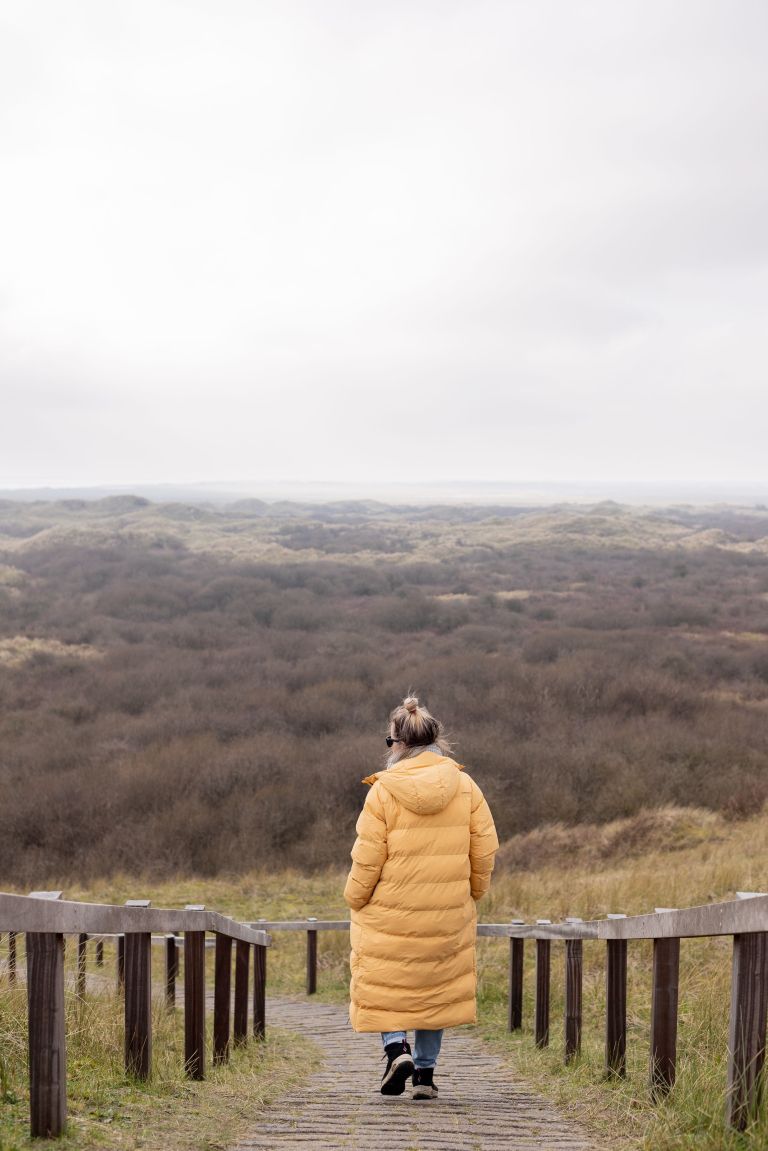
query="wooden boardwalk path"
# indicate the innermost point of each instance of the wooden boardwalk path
(481, 1107)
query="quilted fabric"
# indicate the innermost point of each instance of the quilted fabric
(423, 855)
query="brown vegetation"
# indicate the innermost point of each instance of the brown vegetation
(230, 706)
(662, 829)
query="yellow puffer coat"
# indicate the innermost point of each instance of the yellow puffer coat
(424, 853)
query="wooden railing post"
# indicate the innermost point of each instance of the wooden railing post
(666, 980)
(573, 984)
(746, 1032)
(616, 1005)
(99, 952)
(543, 949)
(137, 972)
(47, 1035)
(82, 957)
(259, 990)
(12, 957)
(47, 1040)
(515, 1005)
(171, 970)
(221, 998)
(120, 962)
(242, 975)
(311, 957)
(194, 1000)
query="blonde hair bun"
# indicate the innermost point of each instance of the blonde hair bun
(413, 727)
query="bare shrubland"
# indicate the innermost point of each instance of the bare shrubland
(229, 706)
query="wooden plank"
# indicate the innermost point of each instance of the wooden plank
(47, 1038)
(120, 962)
(495, 930)
(616, 1007)
(171, 970)
(259, 992)
(573, 985)
(515, 1007)
(311, 961)
(746, 1032)
(584, 929)
(737, 916)
(300, 924)
(237, 930)
(666, 980)
(221, 998)
(28, 913)
(542, 992)
(138, 1004)
(194, 1004)
(82, 957)
(242, 975)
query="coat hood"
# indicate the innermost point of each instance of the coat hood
(425, 784)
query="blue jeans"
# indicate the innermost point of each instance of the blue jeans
(426, 1046)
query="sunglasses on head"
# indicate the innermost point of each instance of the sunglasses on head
(390, 741)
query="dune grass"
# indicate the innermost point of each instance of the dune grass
(711, 860)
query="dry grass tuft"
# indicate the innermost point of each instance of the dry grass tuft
(662, 829)
(20, 649)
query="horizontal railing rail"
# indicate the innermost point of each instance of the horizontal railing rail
(39, 913)
(747, 913)
(301, 924)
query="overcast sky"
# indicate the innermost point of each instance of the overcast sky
(383, 240)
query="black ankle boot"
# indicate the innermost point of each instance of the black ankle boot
(423, 1083)
(399, 1068)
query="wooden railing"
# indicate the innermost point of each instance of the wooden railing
(745, 919)
(45, 919)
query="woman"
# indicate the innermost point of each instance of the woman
(423, 856)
